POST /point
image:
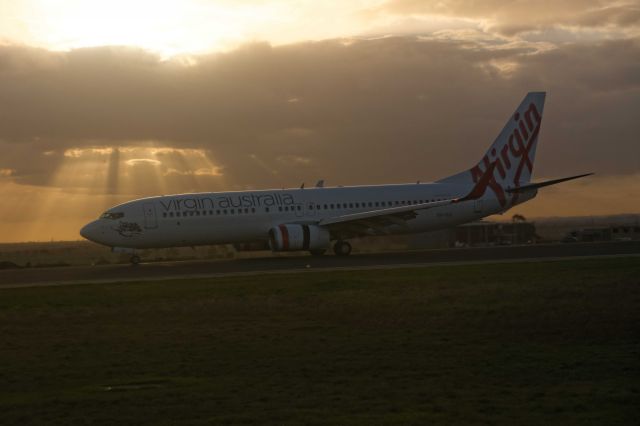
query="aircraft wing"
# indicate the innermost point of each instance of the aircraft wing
(375, 222)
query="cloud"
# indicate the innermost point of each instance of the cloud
(367, 111)
(515, 17)
(143, 161)
(203, 171)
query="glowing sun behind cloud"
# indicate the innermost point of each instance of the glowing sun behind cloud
(166, 26)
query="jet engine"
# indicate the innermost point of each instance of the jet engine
(298, 237)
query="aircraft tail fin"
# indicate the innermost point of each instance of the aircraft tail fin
(513, 151)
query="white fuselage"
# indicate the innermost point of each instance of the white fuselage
(247, 216)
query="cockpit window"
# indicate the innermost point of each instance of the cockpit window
(112, 215)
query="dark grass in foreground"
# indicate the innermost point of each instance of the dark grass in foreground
(527, 343)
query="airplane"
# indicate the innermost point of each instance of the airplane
(313, 219)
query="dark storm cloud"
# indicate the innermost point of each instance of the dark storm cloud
(393, 109)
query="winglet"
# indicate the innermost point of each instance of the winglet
(481, 186)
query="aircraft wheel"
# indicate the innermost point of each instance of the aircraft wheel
(318, 252)
(135, 259)
(342, 248)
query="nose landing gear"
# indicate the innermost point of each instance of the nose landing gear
(134, 259)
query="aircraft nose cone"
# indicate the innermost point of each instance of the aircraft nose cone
(88, 231)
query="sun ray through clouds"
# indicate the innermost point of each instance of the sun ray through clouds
(89, 180)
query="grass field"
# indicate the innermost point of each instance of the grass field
(536, 343)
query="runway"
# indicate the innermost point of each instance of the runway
(37, 277)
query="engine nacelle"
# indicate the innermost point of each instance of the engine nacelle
(298, 237)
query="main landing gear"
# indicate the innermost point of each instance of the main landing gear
(134, 259)
(342, 248)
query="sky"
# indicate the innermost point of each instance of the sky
(103, 102)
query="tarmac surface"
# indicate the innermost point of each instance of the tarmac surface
(38, 277)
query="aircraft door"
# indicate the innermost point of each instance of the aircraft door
(477, 206)
(150, 219)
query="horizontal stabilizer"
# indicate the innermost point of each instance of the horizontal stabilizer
(530, 186)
